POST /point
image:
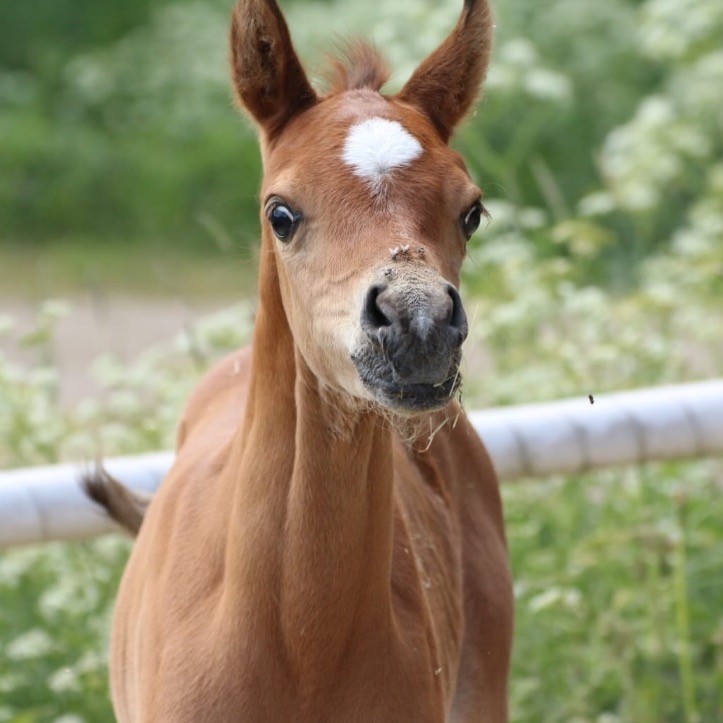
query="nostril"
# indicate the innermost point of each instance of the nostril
(373, 317)
(458, 318)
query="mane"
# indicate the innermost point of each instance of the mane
(356, 64)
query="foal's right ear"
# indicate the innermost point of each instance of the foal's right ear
(267, 74)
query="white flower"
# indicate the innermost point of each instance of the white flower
(35, 643)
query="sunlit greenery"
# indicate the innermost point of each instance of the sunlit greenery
(599, 143)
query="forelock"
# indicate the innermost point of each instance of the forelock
(357, 64)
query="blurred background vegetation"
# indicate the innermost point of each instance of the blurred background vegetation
(599, 143)
(117, 134)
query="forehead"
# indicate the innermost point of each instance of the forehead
(365, 144)
(375, 147)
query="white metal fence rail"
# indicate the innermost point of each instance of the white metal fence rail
(645, 425)
(46, 503)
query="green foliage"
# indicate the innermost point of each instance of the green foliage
(136, 409)
(34, 34)
(605, 113)
(54, 625)
(61, 179)
(554, 335)
(135, 139)
(618, 605)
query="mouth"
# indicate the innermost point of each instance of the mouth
(402, 396)
(415, 397)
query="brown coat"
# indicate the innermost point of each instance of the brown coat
(303, 561)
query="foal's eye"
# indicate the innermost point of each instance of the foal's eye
(283, 220)
(470, 220)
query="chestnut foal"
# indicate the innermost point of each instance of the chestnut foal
(304, 560)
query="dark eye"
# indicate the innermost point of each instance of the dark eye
(471, 219)
(282, 220)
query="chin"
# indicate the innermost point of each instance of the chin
(412, 398)
(416, 398)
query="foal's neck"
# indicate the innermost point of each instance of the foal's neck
(311, 527)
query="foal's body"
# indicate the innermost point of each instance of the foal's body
(284, 622)
(302, 561)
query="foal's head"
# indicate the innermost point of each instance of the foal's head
(365, 208)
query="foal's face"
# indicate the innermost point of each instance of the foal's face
(366, 209)
(369, 212)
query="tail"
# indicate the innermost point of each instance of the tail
(124, 506)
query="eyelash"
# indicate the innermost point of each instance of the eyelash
(468, 229)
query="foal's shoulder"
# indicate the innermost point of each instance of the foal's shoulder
(221, 389)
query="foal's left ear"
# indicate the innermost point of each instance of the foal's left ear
(446, 84)
(267, 74)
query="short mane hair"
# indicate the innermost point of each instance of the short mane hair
(356, 64)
